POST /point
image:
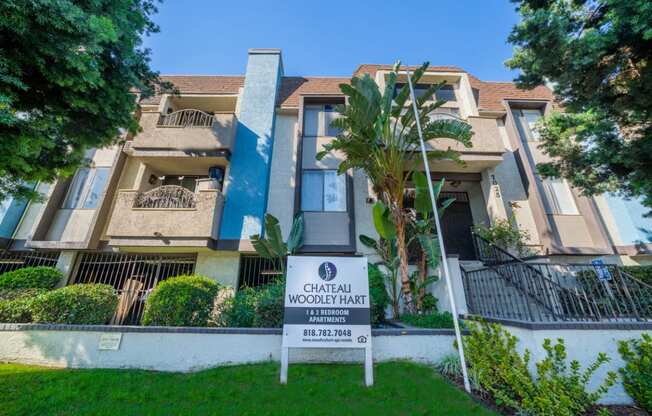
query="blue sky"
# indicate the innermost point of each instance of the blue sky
(332, 38)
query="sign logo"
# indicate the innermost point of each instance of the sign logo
(327, 271)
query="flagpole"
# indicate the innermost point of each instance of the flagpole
(440, 238)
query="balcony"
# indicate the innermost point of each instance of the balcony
(487, 149)
(183, 133)
(168, 215)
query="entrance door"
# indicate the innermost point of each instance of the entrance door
(456, 226)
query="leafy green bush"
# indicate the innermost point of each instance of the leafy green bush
(269, 306)
(259, 307)
(16, 304)
(31, 278)
(429, 320)
(377, 294)
(557, 388)
(90, 304)
(506, 234)
(181, 301)
(642, 273)
(637, 373)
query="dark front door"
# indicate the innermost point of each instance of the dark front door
(456, 226)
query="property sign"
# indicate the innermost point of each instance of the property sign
(327, 304)
(110, 341)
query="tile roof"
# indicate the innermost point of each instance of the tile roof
(202, 84)
(293, 87)
(489, 95)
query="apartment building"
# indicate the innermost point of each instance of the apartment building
(186, 193)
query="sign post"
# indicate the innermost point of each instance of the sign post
(327, 305)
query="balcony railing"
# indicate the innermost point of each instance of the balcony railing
(186, 118)
(166, 196)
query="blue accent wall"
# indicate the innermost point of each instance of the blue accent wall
(633, 227)
(248, 176)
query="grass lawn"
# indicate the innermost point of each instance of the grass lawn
(401, 388)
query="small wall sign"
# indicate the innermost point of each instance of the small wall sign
(327, 306)
(110, 341)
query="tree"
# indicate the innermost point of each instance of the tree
(67, 69)
(597, 55)
(379, 137)
(272, 246)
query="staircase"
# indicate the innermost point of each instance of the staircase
(508, 287)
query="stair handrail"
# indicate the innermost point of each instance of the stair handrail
(543, 277)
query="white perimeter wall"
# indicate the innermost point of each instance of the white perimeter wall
(191, 351)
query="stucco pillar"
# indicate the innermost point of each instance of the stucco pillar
(65, 264)
(441, 293)
(221, 266)
(493, 196)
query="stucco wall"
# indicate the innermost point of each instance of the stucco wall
(191, 351)
(221, 266)
(584, 346)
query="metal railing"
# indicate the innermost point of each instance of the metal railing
(133, 276)
(510, 288)
(166, 196)
(13, 260)
(257, 271)
(186, 118)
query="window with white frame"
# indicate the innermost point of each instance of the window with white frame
(526, 120)
(323, 190)
(87, 187)
(318, 119)
(559, 198)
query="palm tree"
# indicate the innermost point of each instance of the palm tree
(379, 136)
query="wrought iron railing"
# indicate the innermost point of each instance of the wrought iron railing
(13, 260)
(166, 196)
(510, 288)
(257, 271)
(133, 276)
(186, 118)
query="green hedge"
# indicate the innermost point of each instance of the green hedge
(31, 278)
(642, 273)
(429, 320)
(377, 294)
(181, 301)
(637, 373)
(89, 304)
(260, 307)
(16, 304)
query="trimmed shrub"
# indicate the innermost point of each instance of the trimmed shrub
(31, 278)
(637, 373)
(181, 301)
(377, 294)
(558, 388)
(88, 304)
(429, 320)
(16, 305)
(240, 310)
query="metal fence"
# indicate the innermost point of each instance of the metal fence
(13, 260)
(133, 276)
(257, 271)
(186, 118)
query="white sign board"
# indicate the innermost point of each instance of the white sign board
(327, 305)
(110, 341)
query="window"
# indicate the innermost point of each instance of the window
(323, 190)
(526, 120)
(446, 92)
(444, 113)
(86, 188)
(318, 119)
(559, 198)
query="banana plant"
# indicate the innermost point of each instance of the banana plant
(272, 246)
(385, 247)
(423, 230)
